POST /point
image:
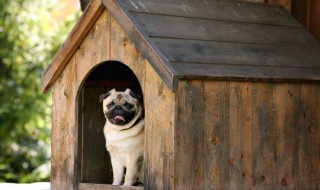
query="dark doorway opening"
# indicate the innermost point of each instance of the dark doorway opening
(94, 165)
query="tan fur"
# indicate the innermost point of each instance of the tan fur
(125, 143)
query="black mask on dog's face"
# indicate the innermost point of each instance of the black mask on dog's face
(120, 107)
(120, 114)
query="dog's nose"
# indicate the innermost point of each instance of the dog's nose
(118, 108)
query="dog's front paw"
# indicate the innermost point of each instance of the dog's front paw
(128, 183)
(115, 183)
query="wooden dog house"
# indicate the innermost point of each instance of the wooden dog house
(231, 93)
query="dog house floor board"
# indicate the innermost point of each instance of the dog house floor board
(90, 186)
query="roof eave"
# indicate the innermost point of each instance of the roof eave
(74, 39)
(142, 42)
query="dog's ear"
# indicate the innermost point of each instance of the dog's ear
(133, 94)
(103, 96)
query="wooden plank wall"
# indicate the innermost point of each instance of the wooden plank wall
(63, 142)
(234, 135)
(71, 152)
(160, 113)
(65, 156)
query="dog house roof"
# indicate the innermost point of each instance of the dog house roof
(202, 39)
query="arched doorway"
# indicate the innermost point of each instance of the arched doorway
(94, 164)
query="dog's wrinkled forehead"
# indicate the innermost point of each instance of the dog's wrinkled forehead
(118, 96)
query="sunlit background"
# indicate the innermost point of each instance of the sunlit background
(31, 31)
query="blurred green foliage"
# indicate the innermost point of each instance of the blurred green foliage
(29, 37)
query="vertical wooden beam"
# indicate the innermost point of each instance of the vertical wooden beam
(64, 130)
(240, 125)
(287, 141)
(264, 139)
(309, 135)
(216, 135)
(189, 149)
(308, 13)
(315, 18)
(299, 10)
(160, 118)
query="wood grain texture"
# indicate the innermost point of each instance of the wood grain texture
(252, 73)
(249, 42)
(315, 19)
(287, 138)
(94, 49)
(71, 44)
(92, 186)
(216, 135)
(188, 135)
(160, 114)
(309, 127)
(221, 31)
(240, 126)
(308, 13)
(234, 11)
(123, 50)
(64, 142)
(300, 11)
(264, 139)
(255, 135)
(95, 161)
(227, 53)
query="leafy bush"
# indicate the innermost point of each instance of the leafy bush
(29, 37)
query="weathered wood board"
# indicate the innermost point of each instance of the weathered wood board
(218, 10)
(221, 31)
(95, 161)
(160, 111)
(247, 135)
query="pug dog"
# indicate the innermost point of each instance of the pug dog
(124, 134)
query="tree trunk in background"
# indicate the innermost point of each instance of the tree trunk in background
(84, 4)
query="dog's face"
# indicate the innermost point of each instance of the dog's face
(121, 107)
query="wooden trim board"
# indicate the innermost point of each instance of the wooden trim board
(93, 186)
(78, 33)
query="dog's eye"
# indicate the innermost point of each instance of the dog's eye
(128, 105)
(110, 105)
